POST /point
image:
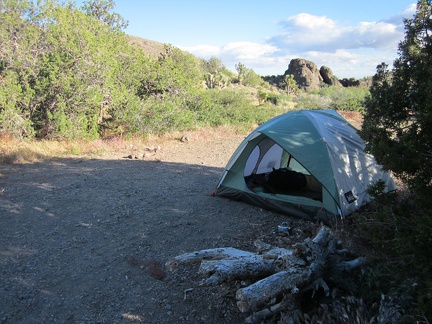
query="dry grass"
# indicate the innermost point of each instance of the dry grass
(355, 118)
(152, 48)
(20, 151)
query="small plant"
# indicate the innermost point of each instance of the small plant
(377, 189)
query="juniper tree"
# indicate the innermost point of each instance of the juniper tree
(398, 119)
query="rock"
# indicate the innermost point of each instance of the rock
(305, 73)
(350, 82)
(328, 76)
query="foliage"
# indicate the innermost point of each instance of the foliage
(347, 99)
(275, 98)
(289, 84)
(72, 73)
(251, 79)
(18, 62)
(241, 69)
(70, 68)
(233, 106)
(312, 101)
(68, 72)
(397, 131)
(333, 97)
(247, 76)
(215, 73)
(13, 120)
(399, 233)
(399, 110)
(102, 10)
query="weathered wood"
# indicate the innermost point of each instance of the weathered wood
(282, 273)
(220, 271)
(261, 292)
(323, 236)
(261, 315)
(209, 254)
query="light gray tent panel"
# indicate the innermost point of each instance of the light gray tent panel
(324, 145)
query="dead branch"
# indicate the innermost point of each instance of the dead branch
(280, 273)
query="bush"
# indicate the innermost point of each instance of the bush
(338, 98)
(309, 101)
(233, 107)
(398, 230)
(252, 79)
(348, 99)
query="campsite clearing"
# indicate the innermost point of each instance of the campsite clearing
(85, 240)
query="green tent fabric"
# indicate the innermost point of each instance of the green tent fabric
(307, 163)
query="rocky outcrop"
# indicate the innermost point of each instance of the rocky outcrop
(350, 82)
(305, 74)
(308, 77)
(328, 76)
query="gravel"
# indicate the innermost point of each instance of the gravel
(85, 240)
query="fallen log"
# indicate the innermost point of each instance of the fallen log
(282, 274)
(263, 291)
(209, 254)
(220, 271)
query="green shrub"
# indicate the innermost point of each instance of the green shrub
(332, 97)
(348, 99)
(252, 79)
(398, 230)
(231, 106)
(309, 101)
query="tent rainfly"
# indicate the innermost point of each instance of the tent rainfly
(307, 163)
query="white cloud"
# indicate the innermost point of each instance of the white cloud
(306, 21)
(410, 10)
(346, 64)
(304, 32)
(248, 50)
(350, 51)
(251, 54)
(204, 51)
(235, 50)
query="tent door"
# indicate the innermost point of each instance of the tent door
(271, 169)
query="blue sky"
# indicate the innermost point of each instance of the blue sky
(350, 37)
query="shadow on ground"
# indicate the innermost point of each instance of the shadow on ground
(79, 239)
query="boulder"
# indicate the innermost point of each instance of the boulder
(350, 82)
(328, 76)
(305, 73)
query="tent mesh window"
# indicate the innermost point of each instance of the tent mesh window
(271, 169)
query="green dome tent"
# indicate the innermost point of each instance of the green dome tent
(308, 163)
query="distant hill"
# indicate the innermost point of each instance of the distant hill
(150, 47)
(153, 49)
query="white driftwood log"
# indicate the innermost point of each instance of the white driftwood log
(262, 291)
(281, 273)
(209, 254)
(220, 271)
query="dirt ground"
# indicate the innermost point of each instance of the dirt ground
(85, 240)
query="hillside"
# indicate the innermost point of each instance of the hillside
(152, 48)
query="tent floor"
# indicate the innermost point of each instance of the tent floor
(259, 185)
